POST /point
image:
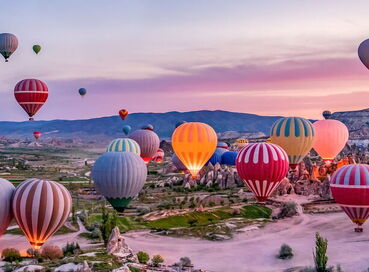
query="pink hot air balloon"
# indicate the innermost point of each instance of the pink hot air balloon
(350, 189)
(262, 166)
(330, 138)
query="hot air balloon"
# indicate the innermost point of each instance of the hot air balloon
(123, 114)
(37, 135)
(194, 143)
(363, 52)
(350, 188)
(8, 45)
(82, 92)
(262, 166)
(6, 215)
(148, 141)
(177, 163)
(326, 114)
(217, 156)
(241, 143)
(40, 208)
(119, 177)
(180, 123)
(124, 144)
(222, 145)
(148, 127)
(31, 94)
(36, 48)
(331, 137)
(295, 135)
(269, 140)
(159, 155)
(229, 157)
(126, 129)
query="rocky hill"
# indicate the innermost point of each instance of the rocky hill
(356, 121)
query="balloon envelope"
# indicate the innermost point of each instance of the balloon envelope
(241, 143)
(363, 52)
(36, 48)
(295, 135)
(82, 91)
(37, 135)
(177, 163)
(6, 194)
(350, 188)
(194, 143)
(8, 45)
(331, 137)
(222, 145)
(217, 156)
(262, 166)
(40, 208)
(31, 94)
(229, 157)
(148, 141)
(159, 155)
(327, 114)
(124, 144)
(123, 114)
(126, 129)
(119, 176)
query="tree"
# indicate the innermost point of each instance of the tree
(109, 221)
(74, 216)
(143, 257)
(320, 255)
(185, 262)
(285, 252)
(192, 222)
(157, 260)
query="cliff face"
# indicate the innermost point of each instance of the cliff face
(356, 121)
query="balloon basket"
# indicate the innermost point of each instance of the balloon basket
(359, 229)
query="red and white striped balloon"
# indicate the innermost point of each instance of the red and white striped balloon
(31, 94)
(262, 166)
(40, 208)
(350, 189)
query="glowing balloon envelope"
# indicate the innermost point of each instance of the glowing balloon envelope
(194, 143)
(295, 135)
(36, 48)
(262, 166)
(31, 94)
(350, 188)
(119, 176)
(40, 208)
(159, 155)
(331, 137)
(8, 45)
(6, 194)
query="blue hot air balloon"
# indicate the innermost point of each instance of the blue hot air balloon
(229, 157)
(178, 163)
(119, 177)
(82, 91)
(217, 156)
(126, 129)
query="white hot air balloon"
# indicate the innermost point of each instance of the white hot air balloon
(6, 194)
(8, 45)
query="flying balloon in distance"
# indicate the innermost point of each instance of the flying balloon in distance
(8, 45)
(31, 95)
(194, 143)
(126, 129)
(327, 114)
(37, 135)
(363, 52)
(82, 92)
(123, 114)
(36, 48)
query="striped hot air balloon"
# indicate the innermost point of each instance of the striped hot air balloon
(194, 143)
(222, 145)
(6, 215)
(8, 45)
(262, 166)
(31, 94)
(350, 188)
(124, 144)
(331, 137)
(295, 135)
(40, 208)
(159, 155)
(119, 177)
(148, 141)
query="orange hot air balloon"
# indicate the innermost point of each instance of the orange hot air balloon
(194, 143)
(123, 114)
(330, 138)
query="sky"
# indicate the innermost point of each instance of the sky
(286, 57)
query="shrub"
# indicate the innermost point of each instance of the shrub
(34, 253)
(320, 254)
(185, 261)
(143, 257)
(71, 248)
(96, 234)
(285, 252)
(157, 260)
(288, 210)
(11, 255)
(52, 252)
(192, 222)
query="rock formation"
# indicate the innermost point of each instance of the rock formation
(118, 247)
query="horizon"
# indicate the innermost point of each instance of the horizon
(242, 57)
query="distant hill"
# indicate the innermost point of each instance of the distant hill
(106, 128)
(356, 121)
